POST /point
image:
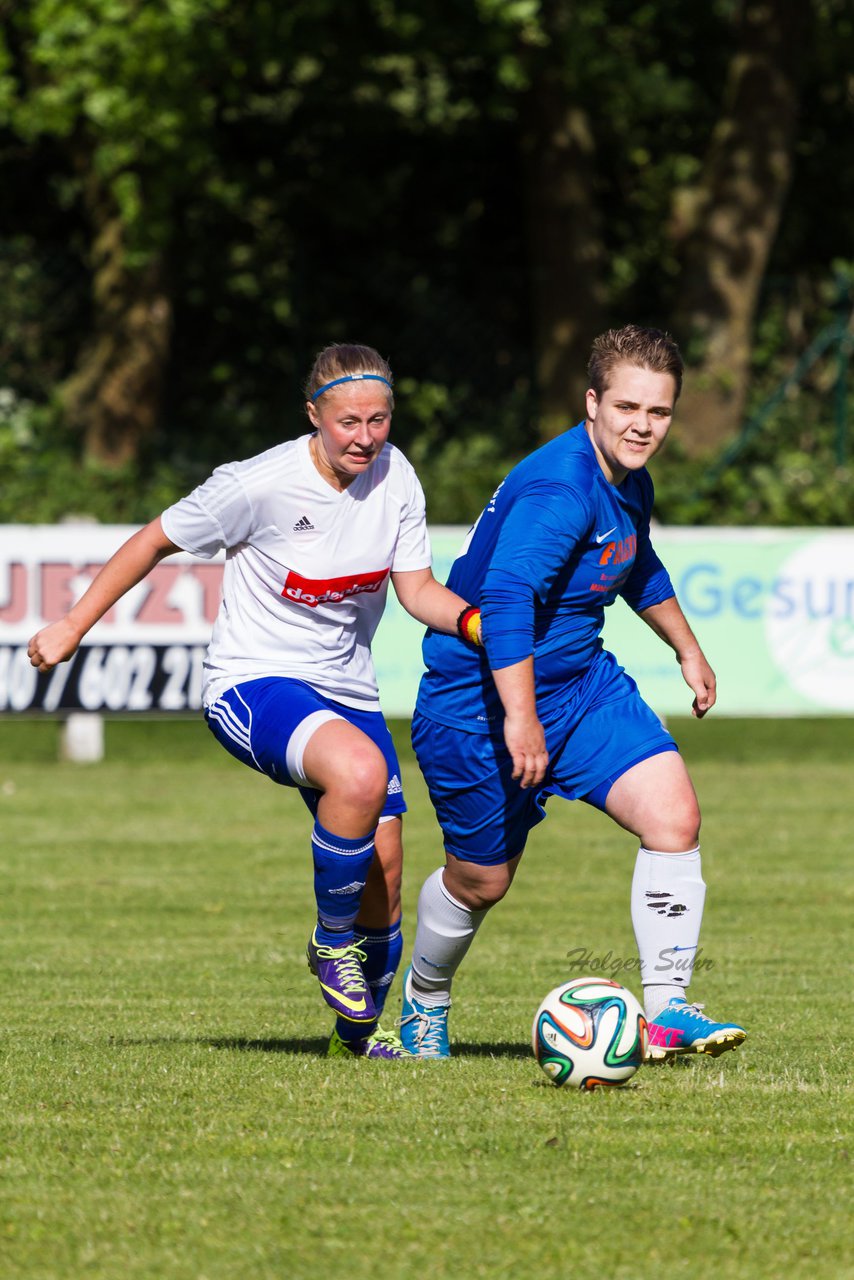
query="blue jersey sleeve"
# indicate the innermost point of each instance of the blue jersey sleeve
(649, 582)
(534, 546)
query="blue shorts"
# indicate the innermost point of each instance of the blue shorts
(267, 723)
(486, 816)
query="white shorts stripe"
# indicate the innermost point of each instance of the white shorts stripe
(241, 699)
(230, 725)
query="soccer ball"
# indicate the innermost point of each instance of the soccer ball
(590, 1032)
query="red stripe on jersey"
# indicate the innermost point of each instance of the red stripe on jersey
(315, 591)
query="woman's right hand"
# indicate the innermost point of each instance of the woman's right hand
(53, 644)
(526, 741)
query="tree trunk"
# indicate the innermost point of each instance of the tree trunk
(727, 224)
(113, 396)
(565, 248)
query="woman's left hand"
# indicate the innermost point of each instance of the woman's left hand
(700, 677)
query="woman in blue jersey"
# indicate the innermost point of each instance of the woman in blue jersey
(542, 709)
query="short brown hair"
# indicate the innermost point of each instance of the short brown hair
(647, 348)
(344, 360)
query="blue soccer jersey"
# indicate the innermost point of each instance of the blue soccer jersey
(555, 545)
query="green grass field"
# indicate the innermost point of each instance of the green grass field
(167, 1112)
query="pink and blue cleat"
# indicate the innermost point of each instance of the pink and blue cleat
(682, 1028)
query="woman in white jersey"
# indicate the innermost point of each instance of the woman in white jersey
(313, 530)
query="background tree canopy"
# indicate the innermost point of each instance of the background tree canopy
(199, 194)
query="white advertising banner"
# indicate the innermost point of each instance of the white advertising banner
(773, 609)
(145, 654)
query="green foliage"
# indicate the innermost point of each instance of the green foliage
(793, 462)
(133, 90)
(458, 477)
(42, 292)
(43, 478)
(770, 484)
(460, 471)
(307, 172)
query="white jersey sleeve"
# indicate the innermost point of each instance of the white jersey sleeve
(413, 543)
(216, 515)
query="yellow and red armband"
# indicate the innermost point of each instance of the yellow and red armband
(468, 626)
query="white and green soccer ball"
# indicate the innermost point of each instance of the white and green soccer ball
(589, 1033)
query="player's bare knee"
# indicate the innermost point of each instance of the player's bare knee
(363, 782)
(675, 832)
(485, 898)
(477, 888)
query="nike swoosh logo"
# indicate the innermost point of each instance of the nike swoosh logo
(600, 537)
(355, 1006)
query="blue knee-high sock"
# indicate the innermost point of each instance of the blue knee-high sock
(383, 949)
(340, 870)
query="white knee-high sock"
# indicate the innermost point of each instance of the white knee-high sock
(668, 893)
(443, 935)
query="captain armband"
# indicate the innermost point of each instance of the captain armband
(468, 626)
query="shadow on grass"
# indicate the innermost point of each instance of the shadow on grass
(495, 1049)
(316, 1047)
(313, 1046)
(309, 1046)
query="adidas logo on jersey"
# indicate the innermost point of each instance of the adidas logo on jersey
(303, 525)
(394, 787)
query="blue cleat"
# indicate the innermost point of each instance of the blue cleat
(342, 981)
(423, 1028)
(681, 1028)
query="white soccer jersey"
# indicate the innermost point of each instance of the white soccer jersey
(307, 567)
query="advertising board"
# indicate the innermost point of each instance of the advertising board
(773, 609)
